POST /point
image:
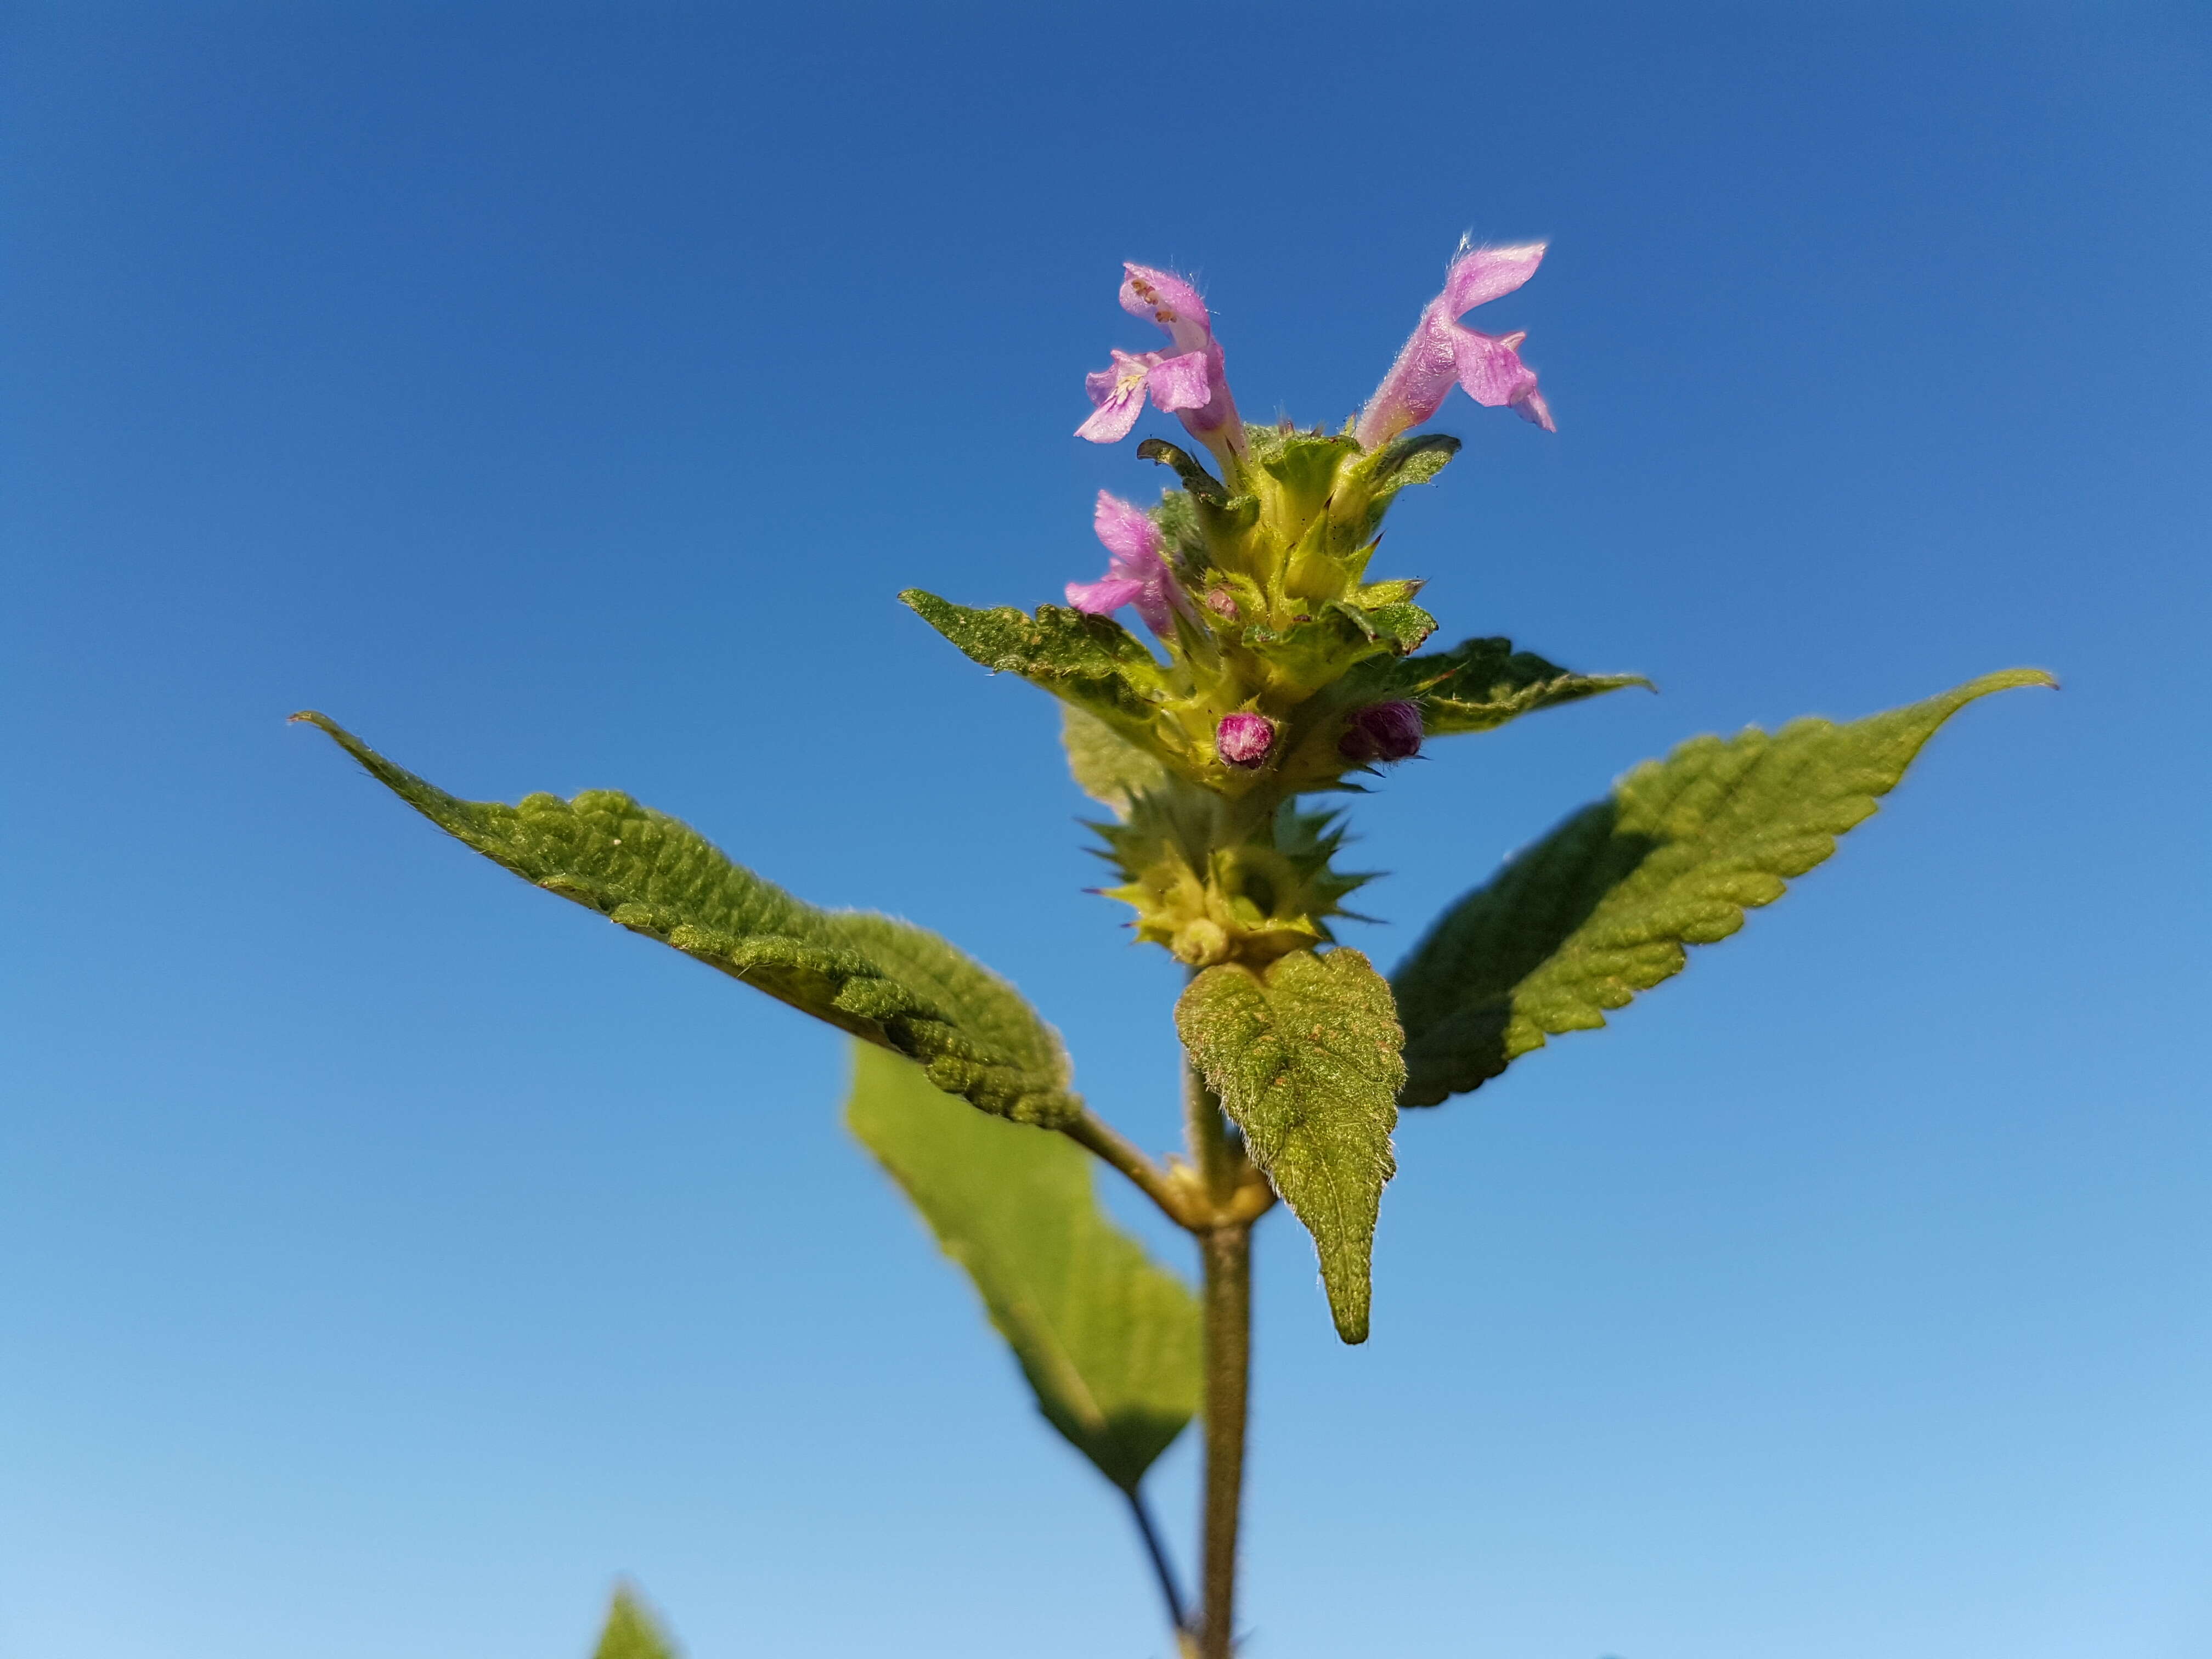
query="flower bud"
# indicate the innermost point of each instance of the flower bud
(1201, 944)
(1382, 731)
(1246, 740)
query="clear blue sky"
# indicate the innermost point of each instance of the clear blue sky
(393, 1255)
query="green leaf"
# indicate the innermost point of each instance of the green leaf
(1202, 485)
(1092, 662)
(631, 1631)
(1480, 684)
(1414, 460)
(1305, 1059)
(1108, 1342)
(885, 980)
(1107, 766)
(1402, 627)
(1602, 908)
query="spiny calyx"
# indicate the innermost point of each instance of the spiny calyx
(1213, 890)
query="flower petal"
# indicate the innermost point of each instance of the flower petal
(1183, 382)
(1491, 370)
(1532, 407)
(1170, 301)
(1130, 536)
(1480, 274)
(1119, 401)
(1414, 388)
(1105, 596)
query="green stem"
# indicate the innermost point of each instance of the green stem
(1161, 1567)
(1205, 1131)
(1228, 1314)
(1097, 1135)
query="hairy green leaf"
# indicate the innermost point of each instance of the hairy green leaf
(631, 1631)
(886, 980)
(1107, 766)
(1401, 626)
(1109, 1342)
(1305, 1059)
(1480, 684)
(1602, 908)
(1414, 460)
(1092, 662)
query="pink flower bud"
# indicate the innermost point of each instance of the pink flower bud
(1244, 740)
(1382, 731)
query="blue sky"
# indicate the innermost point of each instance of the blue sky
(559, 397)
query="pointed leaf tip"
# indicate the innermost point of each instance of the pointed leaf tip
(2009, 679)
(631, 1631)
(1603, 908)
(881, 980)
(1480, 684)
(1305, 1057)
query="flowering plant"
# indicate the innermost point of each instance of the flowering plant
(1281, 668)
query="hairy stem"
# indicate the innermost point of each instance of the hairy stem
(1206, 1132)
(1161, 1567)
(1094, 1132)
(1228, 1313)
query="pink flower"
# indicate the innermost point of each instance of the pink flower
(1385, 732)
(1191, 383)
(1244, 740)
(1175, 383)
(1138, 571)
(1441, 351)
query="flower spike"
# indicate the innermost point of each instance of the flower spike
(1441, 351)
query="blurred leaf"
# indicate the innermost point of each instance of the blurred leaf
(885, 980)
(1305, 1058)
(1107, 766)
(1602, 908)
(631, 1631)
(1108, 1342)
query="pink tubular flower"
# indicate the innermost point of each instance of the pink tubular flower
(1382, 731)
(1175, 383)
(1441, 351)
(1138, 571)
(1191, 383)
(1244, 740)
